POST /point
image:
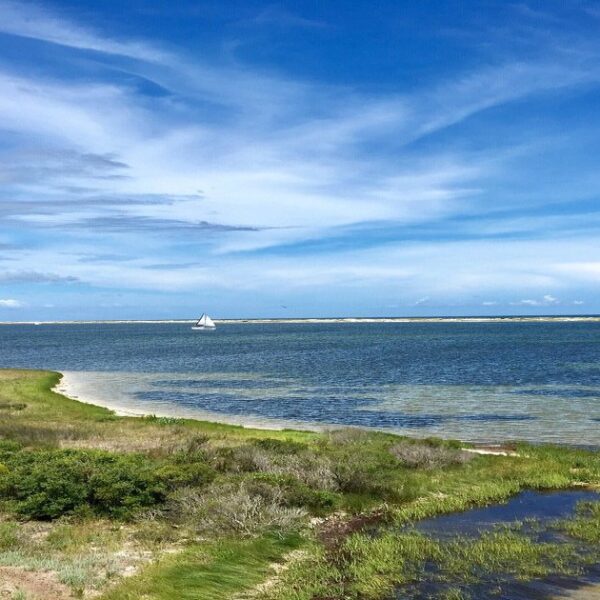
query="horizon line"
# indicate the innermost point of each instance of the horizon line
(404, 319)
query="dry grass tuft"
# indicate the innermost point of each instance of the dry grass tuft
(423, 456)
(238, 508)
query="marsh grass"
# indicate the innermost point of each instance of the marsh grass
(370, 567)
(585, 526)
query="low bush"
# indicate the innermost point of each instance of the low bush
(236, 507)
(310, 469)
(163, 420)
(347, 435)
(12, 406)
(356, 475)
(425, 456)
(9, 536)
(279, 446)
(51, 483)
(290, 490)
(238, 459)
(365, 468)
(191, 474)
(9, 447)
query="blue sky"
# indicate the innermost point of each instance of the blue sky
(160, 159)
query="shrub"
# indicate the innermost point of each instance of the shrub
(354, 475)
(163, 420)
(347, 435)
(312, 470)
(279, 446)
(52, 483)
(191, 445)
(425, 456)
(239, 459)
(9, 536)
(235, 507)
(8, 448)
(12, 406)
(179, 475)
(290, 490)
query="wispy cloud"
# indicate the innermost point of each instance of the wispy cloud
(10, 303)
(34, 277)
(546, 300)
(28, 19)
(227, 177)
(278, 16)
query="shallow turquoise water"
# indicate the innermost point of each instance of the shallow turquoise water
(475, 381)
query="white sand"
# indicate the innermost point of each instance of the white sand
(114, 391)
(99, 388)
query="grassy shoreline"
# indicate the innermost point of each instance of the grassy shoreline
(210, 510)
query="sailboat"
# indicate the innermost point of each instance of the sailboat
(204, 323)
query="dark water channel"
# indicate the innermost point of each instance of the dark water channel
(533, 514)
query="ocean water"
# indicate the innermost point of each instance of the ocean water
(484, 382)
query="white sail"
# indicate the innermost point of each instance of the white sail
(204, 322)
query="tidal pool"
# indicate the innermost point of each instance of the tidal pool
(558, 522)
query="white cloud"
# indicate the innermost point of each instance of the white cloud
(546, 300)
(584, 271)
(302, 173)
(528, 302)
(10, 303)
(285, 156)
(412, 270)
(33, 21)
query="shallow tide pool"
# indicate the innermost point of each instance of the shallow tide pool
(537, 516)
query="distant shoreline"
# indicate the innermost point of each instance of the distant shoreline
(326, 320)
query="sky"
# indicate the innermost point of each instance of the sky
(287, 159)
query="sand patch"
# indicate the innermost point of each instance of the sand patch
(35, 585)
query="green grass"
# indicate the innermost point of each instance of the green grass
(368, 567)
(213, 571)
(207, 509)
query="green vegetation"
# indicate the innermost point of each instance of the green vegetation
(369, 568)
(585, 526)
(191, 509)
(211, 571)
(48, 484)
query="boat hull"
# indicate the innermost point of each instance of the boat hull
(203, 328)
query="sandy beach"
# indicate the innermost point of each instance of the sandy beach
(83, 387)
(86, 388)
